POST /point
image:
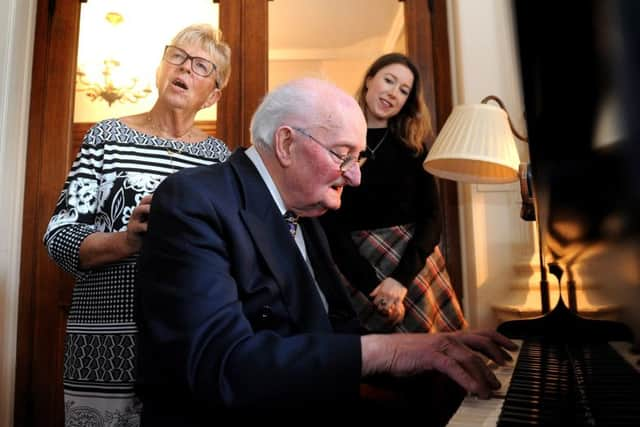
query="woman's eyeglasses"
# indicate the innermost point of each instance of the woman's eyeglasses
(201, 66)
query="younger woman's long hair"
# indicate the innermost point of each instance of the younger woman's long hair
(412, 124)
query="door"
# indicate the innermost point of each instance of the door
(44, 289)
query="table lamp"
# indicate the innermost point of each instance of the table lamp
(476, 145)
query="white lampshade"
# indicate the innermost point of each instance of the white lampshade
(475, 145)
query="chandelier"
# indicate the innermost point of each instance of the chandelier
(108, 87)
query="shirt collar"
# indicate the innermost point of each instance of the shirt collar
(255, 158)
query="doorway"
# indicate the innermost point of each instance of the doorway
(336, 41)
(44, 289)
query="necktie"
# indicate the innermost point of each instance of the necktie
(292, 222)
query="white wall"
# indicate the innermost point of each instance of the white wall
(345, 73)
(17, 18)
(494, 238)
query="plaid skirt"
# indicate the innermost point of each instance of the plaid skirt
(431, 304)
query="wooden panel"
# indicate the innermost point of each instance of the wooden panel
(208, 126)
(428, 46)
(230, 105)
(419, 48)
(443, 107)
(38, 398)
(244, 25)
(255, 61)
(441, 63)
(23, 399)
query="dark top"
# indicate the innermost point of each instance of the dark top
(395, 190)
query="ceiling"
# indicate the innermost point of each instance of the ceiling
(294, 25)
(327, 24)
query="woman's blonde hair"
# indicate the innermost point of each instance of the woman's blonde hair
(210, 39)
(412, 124)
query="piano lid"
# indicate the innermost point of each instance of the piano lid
(580, 63)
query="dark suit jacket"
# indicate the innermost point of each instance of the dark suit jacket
(227, 309)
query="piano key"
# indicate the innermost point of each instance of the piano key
(475, 412)
(561, 384)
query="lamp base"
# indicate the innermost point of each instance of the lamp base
(511, 308)
(522, 300)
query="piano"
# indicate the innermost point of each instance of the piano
(583, 379)
(579, 63)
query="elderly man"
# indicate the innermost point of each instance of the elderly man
(239, 306)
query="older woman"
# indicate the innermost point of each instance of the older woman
(100, 218)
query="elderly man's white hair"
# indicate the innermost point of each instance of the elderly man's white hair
(302, 99)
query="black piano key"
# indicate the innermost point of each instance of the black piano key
(571, 384)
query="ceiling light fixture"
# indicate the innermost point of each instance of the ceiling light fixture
(107, 88)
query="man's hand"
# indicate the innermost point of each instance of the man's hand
(459, 355)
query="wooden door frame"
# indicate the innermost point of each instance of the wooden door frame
(244, 25)
(38, 400)
(428, 46)
(41, 321)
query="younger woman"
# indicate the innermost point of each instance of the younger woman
(385, 236)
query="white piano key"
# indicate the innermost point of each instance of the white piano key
(474, 412)
(477, 412)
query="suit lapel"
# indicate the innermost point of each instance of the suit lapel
(341, 313)
(274, 243)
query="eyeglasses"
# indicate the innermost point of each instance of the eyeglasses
(347, 161)
(201, 66)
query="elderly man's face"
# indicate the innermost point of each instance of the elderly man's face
(316, 179)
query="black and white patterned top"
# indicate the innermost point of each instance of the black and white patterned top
(114, 169)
